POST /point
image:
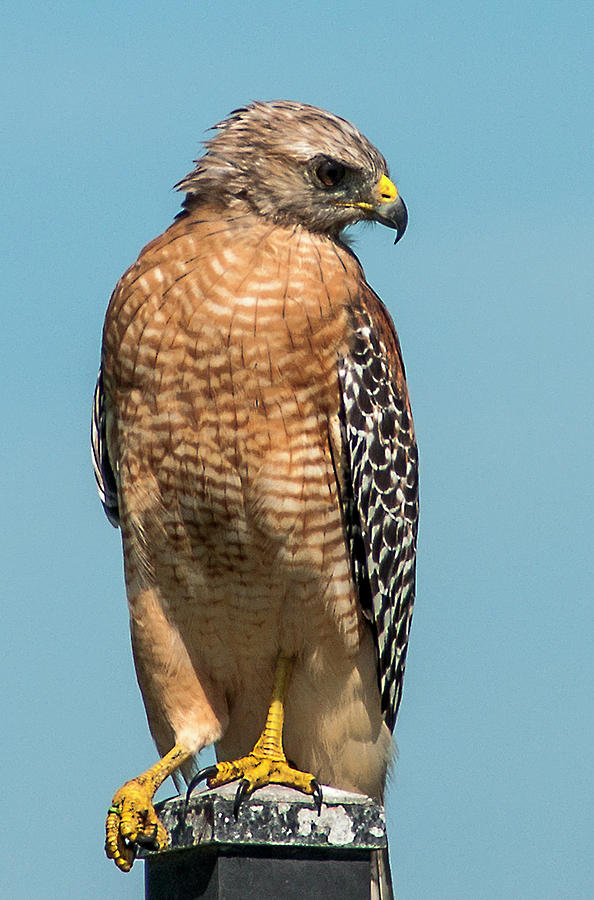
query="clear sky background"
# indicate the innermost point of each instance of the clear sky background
(483, 111)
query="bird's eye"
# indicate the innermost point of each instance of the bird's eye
(330, 172)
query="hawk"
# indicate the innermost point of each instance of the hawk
(253, 440)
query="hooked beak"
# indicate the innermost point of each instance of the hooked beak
(390, 209)
(387, 207)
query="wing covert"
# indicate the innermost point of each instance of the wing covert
(104, 474)
(381, 503)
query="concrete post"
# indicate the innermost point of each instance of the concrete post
(277, 849)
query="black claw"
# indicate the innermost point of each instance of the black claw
(148, 841)
(317, 795)
(243, 791)
(208, 772)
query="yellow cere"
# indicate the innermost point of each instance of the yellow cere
(386, 189)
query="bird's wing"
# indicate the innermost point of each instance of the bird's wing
(380, 488)
(104, 474)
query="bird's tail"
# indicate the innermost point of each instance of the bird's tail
(381, 877)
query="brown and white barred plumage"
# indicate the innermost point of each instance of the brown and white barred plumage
(253, 439)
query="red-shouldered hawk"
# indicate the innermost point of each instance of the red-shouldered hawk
(254, 442)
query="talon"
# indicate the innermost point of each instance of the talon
(317, 795)
(149, 841)
(208, 772)
(243, 791)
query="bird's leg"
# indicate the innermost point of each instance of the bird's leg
(132, 819)
(267, 763)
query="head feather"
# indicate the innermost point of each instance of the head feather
(263, 156)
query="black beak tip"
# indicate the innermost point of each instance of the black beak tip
(401, 221)
(394, 215)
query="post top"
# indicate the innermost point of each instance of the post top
(274, 816)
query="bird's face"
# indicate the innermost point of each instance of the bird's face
(328, 191)
(296, 164)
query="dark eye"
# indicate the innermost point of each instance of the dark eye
(330, 172)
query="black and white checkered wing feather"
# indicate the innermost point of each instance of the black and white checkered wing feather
(381, 512)
(104, 475)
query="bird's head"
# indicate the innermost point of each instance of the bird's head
(296, 164)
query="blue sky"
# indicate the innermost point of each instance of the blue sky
(484, 113)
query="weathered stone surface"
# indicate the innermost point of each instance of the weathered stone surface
(274, 816)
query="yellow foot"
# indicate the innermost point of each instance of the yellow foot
(267, 763)
(132, 820)
(255, 771)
